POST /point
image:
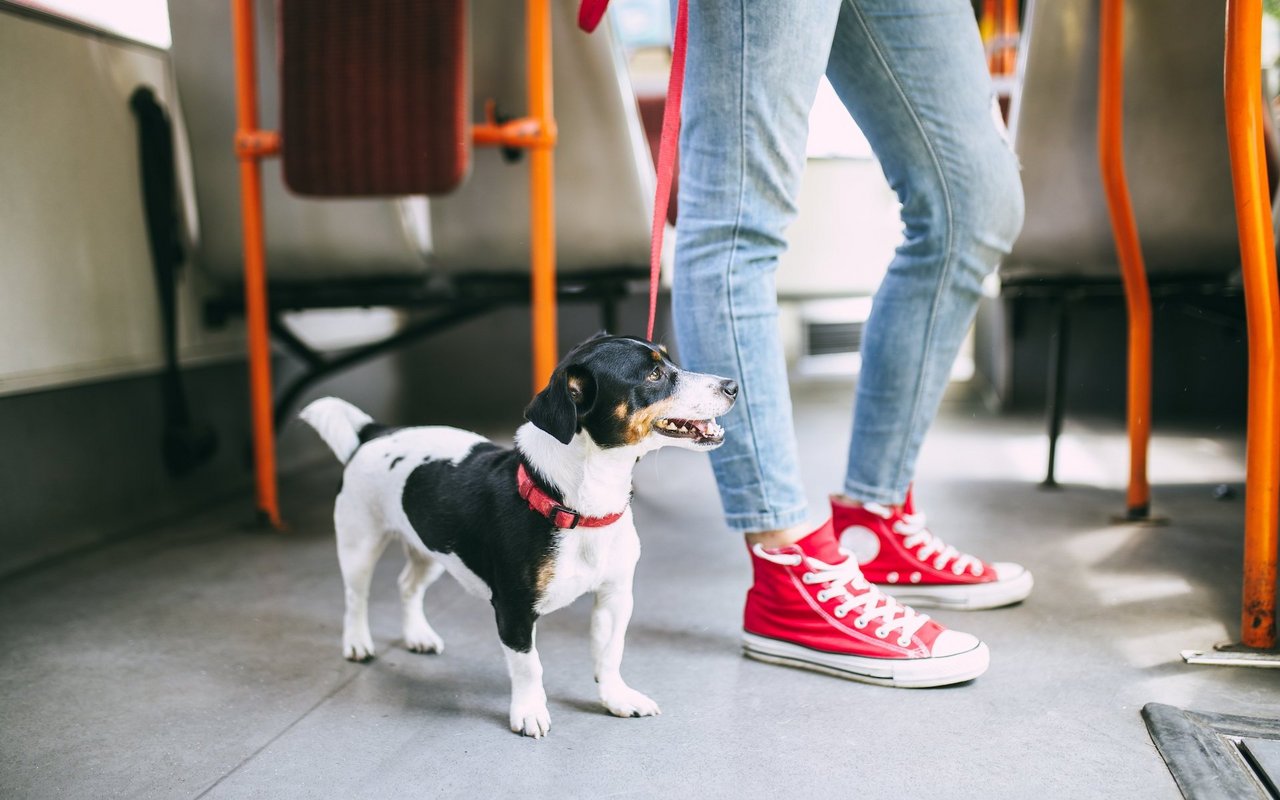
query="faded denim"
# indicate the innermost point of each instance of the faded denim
(913, 75)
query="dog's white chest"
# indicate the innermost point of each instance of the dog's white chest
(588, 559)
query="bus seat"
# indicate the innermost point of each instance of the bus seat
(603, 176)
(604, 180)
(1175, 143)
(1176, 164)
(307, 239)
(453, 257)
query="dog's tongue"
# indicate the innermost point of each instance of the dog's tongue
(823, 545)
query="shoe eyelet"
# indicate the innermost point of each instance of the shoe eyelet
(860, 623)
(808, 577)
(841, 613)
(903, 641)
(881, 633)
(823, 596)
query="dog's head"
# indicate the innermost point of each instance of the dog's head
(625, 392)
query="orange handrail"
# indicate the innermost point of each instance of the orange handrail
(536, 132)
(542, 216)
(1128, 249)
(251, 144)
(1243, 90)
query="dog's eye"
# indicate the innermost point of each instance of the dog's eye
(655, 374)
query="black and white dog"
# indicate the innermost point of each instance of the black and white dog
(530, 529)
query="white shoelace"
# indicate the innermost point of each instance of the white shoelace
(916, 534)
(838, 580)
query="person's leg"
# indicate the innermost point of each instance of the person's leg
(913, 75)
(752, 72)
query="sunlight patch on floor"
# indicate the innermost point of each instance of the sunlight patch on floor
(1165, 647)
(1122, 588)
(1100, 544)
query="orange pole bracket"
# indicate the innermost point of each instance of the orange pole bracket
(257, 144)
(1243, 94)
(525, 132)
(250, 144)
(542, 217)
(1128, 249)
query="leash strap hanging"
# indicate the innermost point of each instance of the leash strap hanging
(590, 13)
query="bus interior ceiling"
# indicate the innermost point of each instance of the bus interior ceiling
(160, 641)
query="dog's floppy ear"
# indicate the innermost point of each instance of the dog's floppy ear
(567, 397)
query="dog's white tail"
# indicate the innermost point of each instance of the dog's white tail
(338, 423)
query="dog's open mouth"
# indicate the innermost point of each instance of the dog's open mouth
(701, 431)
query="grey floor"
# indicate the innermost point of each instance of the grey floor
(201, 659)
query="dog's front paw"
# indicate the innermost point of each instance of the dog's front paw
(423, 641)
(531, 719)
(623, 701)
(357, 648)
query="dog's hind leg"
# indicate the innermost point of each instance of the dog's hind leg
(360, 544)
(420, 571)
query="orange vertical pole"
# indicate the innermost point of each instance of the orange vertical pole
(542, 216)
(1008, 30)
(255, 285)
(1125, 231)
(1262, 303)
(989, 29)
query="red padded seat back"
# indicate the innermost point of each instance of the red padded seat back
(374, 96)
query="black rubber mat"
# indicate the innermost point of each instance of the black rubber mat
(1217, 756)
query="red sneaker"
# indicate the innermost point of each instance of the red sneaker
(810, 607)
(895, 549)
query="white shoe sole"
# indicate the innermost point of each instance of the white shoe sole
(903, 673)
(963, 597)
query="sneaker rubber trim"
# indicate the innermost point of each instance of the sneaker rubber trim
(905, 673)
(963, 596)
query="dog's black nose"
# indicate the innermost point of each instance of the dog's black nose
(730, 388)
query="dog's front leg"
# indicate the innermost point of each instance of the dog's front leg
(608, 631)
(529, 714)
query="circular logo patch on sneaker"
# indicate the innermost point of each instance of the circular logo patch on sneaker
(860, 541)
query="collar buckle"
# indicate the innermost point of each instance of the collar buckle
(573, 516)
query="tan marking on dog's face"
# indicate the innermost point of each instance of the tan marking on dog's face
(641, 423)
(621, 411)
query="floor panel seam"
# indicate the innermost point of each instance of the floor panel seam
(277, 737)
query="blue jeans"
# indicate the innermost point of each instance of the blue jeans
(913, 75)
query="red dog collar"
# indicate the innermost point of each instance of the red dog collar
(561, 517)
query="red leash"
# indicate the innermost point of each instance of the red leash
(589, 16)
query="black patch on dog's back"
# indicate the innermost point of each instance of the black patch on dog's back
(473, 510)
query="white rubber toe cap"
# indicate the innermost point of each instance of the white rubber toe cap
(1007, 570)
(951, 643)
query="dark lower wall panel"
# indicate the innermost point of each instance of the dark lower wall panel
(82, 465)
